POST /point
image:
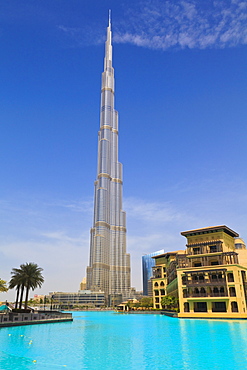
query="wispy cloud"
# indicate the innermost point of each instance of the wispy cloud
(194, 24)
(154, 212)
(87, 35)
(180, 24)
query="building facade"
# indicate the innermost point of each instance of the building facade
(147, 271)
(109, 264)
(81, 298)
(212, 277)
(164, 281)
(209, 277)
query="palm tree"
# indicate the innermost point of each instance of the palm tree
(3, 287)
(32, 277)
(27, 276)
(17, 282)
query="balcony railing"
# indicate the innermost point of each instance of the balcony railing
(202, 295)
(204, 282)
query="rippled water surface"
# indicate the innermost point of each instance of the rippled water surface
(110, 340)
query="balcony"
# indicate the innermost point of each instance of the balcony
(207, 282)
(203, 295)
(213, 246)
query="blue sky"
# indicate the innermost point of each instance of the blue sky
(180, 69)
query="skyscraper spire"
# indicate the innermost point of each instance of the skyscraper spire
(109, 264)
(109, 18)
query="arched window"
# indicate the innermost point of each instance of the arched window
(156, 284)
(215, 291)
(232, 291)
(162, 283)
(185, 293)
(234, 306)
(196, 291)
(203, 291)
(186, 307)
(222, 291)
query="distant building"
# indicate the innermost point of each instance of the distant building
(83, 284)
(209, 277)
(81, 298)
(147, 264)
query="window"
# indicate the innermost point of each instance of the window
(156, 284)
(214, 263)
(213, 248)
(215, 291)
(156, 292)
(218, 306)
(243, 275)
(200, 307)
(230, 277)
(222, 291)
(196, 250)
(197, 264)
(203, 291)
(234, 306)
(232, 291)
(162, 283)
(162, 291)
(186, 307)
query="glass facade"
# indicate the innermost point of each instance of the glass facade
(147, 264)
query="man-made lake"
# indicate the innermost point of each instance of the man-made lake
(108, 340)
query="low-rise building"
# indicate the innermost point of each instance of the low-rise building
(164, 281)
(209, 277)
(81, 298)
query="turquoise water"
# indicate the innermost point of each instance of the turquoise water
(107, 340)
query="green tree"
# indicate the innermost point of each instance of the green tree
(28, 276)
(16, 281)
(146, 302)
(32, 276)
(3, 286)
(169, 302)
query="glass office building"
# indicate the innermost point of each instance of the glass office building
(147, 264)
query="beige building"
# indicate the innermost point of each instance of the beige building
(164, 281)
(209, 277)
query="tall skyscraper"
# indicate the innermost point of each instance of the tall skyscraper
(109, 264)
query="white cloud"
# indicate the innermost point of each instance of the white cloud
(161, 25)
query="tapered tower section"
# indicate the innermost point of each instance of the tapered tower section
(109, 264)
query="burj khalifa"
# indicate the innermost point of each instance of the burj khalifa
(109, 264)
